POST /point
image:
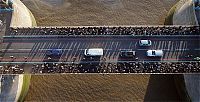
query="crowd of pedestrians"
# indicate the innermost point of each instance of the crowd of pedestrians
(148, 30)
(11, 69)
(127, 67)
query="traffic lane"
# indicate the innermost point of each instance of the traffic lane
(132, 43)
(71, 48)
(107, 45)
(125, 42)
(109, 55)
(113, 46)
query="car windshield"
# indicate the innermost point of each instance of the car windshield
(129, 53)
(153, 53)
(148, 42)
(87, 51)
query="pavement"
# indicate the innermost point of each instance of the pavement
(9, 87)
(35, 48)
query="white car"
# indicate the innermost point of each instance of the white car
(1, 23)
(154, 53)
(145, 42)
(93, 52)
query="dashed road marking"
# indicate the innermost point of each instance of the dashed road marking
(107, 49)
(7, 49)
(23, 49)
(142, 49)
(49, 49)
(103, 49)
(125, 49)
(181, 49)
(197, 49)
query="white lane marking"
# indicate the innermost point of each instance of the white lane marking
(181, 49)
(107, 49)
(23, 49)
(165, 49)
(125, 49)
(7, 49)
(49, 49)
(81, 49)
(14, 49)
(27, 49)
(154, 49)
(0, 82)
(142, 49)
(103, 49)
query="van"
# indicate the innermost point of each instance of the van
(93, 52)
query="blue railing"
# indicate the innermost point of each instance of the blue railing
(6, 10)
(197, 8)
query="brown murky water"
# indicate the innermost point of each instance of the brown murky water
(92, 87)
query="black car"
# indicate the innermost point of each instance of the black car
(127, 53)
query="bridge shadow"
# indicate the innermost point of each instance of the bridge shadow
(50, 60)
(194, 45)
(6, 50)
(164, 87)
(8, 22)
(89, 64)
(161, 88)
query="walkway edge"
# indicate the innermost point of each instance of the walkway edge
(20, 81)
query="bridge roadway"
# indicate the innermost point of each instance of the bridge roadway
(34, 48)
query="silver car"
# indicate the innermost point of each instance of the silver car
(145, 42)
(154, 53)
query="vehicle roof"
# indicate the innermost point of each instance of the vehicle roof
(55, 51)
(95, 51)
(157, 52)
(144, 41)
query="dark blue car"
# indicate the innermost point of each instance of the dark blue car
(54, 52)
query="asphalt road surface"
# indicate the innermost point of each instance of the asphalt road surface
(34, 48)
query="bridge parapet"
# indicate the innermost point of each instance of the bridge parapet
(103, 67)
(106, 30)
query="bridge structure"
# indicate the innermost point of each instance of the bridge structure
(28, 46)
